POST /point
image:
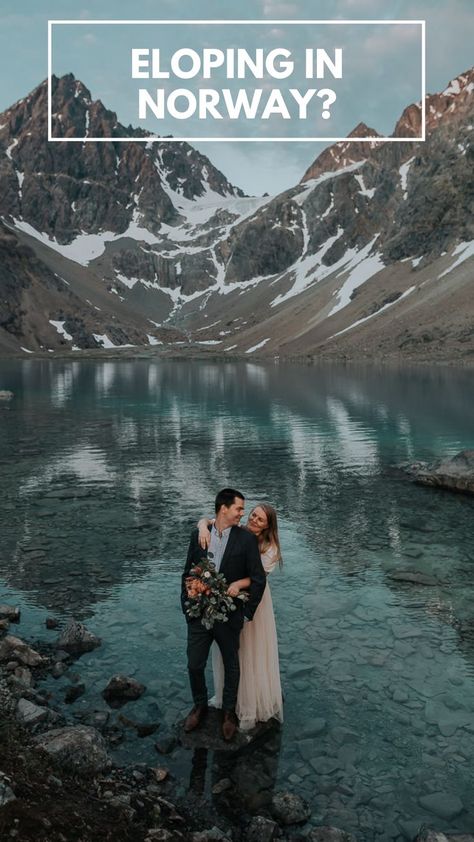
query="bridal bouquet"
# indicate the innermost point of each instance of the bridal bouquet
(207, 595)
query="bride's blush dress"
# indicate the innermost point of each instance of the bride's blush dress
(259, 697)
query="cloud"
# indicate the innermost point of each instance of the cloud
(391, 39)
(90, 38)
(361, 5)
(279, 8)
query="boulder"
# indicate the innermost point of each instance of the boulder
(122, 689)
(288, 808)
(455, 473)
(76, 639)
(30, 714)
(78, 748)
(10, 612)
(14, 648)
(260, 829)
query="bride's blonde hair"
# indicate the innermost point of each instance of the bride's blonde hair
(269, 536)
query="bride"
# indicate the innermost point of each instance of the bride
(259, 697)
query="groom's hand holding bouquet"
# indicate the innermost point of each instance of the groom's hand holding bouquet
(209, 596)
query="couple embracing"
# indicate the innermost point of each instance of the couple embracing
(245, 651)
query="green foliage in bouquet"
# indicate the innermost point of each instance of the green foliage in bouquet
(207, 595)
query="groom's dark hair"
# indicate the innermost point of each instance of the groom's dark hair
(226, 497)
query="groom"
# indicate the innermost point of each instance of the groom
(236, 555)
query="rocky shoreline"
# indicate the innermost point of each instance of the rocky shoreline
(58, 782)
(452, 474)
(199, 354)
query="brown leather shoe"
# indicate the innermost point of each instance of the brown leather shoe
(230, 723)
(195, 717)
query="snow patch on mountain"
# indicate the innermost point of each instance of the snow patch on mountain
(60, 329)
(83, 249)
(361, 266)
(363, 189)
(377, 313)
(404, 176)
(312, 183)
(308, 270)
(465, 251)
(256, 347)
(8, 151)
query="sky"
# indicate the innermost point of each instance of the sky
(381, 68)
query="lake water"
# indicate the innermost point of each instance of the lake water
(105, 468)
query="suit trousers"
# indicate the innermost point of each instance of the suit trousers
(200, 640)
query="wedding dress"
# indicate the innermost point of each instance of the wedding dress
(259, 697)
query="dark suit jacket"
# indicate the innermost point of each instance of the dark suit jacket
(241, 559)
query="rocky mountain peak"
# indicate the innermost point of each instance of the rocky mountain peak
(450, 105)
(343, 154)
(76, 114)
(72, 188)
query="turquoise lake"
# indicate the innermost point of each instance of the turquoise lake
(105, 468)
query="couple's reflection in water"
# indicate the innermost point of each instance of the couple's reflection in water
(240, 779)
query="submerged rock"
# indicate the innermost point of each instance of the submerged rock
(288, 808)
(76, 639)
(209, 735)
(454, 474)
(79, 748)
(166, 745)
(74, 692)
(51, 623)
(121, 689)
(412, 576)
(442, 804)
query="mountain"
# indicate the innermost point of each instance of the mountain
(368, 256)
(341, 155)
